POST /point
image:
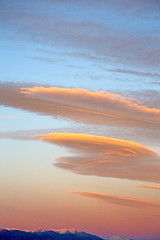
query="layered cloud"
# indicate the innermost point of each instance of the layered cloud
(106, 157)
(122, 201)
(81, 105)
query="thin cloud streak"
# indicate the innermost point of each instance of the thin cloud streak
(20, 135)
(80, 105)
(121, 201)
(136, 73)
(43, 59)
(145, 186)
(105, 157)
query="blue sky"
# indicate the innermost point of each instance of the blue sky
(62, 43)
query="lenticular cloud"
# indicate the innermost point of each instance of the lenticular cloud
(105, 157)
(80, 105)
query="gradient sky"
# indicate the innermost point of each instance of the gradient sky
(80, 116)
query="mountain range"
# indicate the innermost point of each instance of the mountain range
(10, 234)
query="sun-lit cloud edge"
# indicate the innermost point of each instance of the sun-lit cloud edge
(145, 186)
(93, 100)
(118, 200)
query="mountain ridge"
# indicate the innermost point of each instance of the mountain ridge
(62, 234)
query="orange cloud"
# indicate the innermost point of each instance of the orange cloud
(152, 187)
(106, 157)
(98, 103)
(122, 201)
(81, 105)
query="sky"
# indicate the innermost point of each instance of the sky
(80, 116)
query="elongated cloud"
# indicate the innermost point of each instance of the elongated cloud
(103, 103)
(117, 200)
(81, 105)
(106, 157)
(145, 186)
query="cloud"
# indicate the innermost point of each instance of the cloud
(152, 187)
(75, 66)
(121, 201)
(149, 97)
(156, 82)
(43, 59)
(112, 40)
(80, 105)
(28, 134)
(136, 73)
(20, 135)
(106, 157)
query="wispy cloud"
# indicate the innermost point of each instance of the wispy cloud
(145, 186)
(43, 59)
(121, 201)
(106, 157)
(20, 135)
(156, 82)
(110, 42)
(136, 73)
(149, 97)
